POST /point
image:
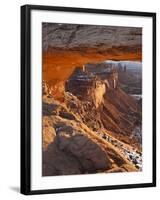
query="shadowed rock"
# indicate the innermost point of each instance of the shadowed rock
(74, 153)
(72, 36)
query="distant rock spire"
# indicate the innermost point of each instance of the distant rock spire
(84, 68)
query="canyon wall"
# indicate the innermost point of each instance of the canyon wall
(118, 112)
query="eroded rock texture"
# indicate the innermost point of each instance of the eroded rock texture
(67, 46)
(89, 122)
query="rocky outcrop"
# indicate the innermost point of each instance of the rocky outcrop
(90, 86)
(76, 36)
(98, 93)
(79, 153)
(75, 140)
(88, 120)
(66, 46)
(48, 134)
(104, 104)
(69, 145)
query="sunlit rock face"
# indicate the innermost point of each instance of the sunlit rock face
(66, 46)
(88, 86)
(91, 118)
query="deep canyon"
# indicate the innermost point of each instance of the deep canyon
(91, 119)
